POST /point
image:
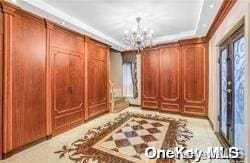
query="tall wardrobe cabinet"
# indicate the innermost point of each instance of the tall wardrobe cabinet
(52, 78)
(175, 77)
(24, 79)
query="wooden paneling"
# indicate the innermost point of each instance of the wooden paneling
(67, 62)
(25, 80)
(150, 78)
(224, 9)
(195, 72)
(170, 79)
(1, 82)
(97, 78)
(175, 77)
(47, 82)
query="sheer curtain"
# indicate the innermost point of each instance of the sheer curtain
(130, 88)
(127, 80)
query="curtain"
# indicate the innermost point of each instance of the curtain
(127, 81)
(130, 88)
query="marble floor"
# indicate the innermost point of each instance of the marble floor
(44, 152)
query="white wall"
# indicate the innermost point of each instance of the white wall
(240, 10)
(116, 76)
(116, 72)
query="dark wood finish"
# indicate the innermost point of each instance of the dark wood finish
(195, 78)
(67, 64)
(97, 78)
(170, 79)
(150, 78)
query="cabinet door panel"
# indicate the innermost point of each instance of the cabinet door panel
(150, 78)
(97, 79)
(28, 81)
(61, 81)
(195, 76)
(68, 88)
(76, 88)
(170, 79)
(67, 79)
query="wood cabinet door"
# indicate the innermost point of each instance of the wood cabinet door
(195, 73)
(67, 71)
(150, 78)
(170, 79)
(97, 79)
(27, 82)
(67, 89)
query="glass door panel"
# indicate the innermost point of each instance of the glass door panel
(238, 90)
(223, 87)
(232, 80)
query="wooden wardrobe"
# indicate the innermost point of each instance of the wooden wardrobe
(175, 77)
(97, 71)
(53, 78)
(67, 78)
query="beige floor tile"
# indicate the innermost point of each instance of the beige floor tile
(44, 152)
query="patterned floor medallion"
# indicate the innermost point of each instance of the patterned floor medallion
(125, 139)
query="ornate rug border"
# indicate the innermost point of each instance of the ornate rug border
(81, 150)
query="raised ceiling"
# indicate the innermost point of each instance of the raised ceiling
(107, 19)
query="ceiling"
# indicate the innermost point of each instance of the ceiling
(106, 20)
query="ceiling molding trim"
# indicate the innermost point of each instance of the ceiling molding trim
(199, 17)
(226, 6)
(88, 30)
(176, 37)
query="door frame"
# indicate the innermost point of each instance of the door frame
(229, 45)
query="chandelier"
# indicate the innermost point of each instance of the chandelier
(138, 37)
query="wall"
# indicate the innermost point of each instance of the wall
(240, 10)
(116, 72)
(117, 78)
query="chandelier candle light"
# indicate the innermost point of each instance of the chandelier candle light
(138, 38)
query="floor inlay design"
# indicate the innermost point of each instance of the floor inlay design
(125, 139)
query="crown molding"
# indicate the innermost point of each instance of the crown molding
(220, 16)
(39, 7)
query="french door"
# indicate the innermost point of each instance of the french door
(232, 69)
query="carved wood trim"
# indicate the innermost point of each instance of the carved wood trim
(150, 106)
(193, 112)
(98, 104)
(7, 75)
(220, 16)
(55, 52)
(48, 79)
(165, 103)
(86, 114)
(108, 79)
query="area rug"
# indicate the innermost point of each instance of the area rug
(125, 139)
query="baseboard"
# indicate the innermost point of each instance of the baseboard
(211, 123)
(221, 140)
(135, 105)
(22, 148)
